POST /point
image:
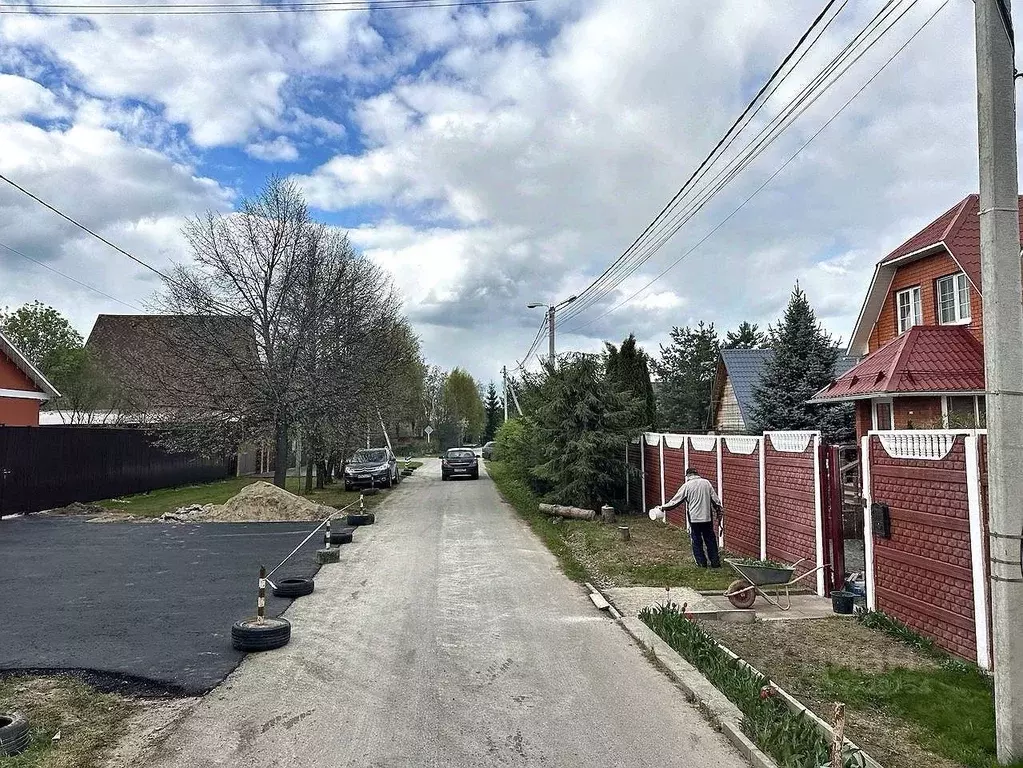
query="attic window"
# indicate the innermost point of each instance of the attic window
(954, 299)
(910, 310)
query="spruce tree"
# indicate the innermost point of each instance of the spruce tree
(494, 409)
(628, 370)
(803, 363)
(686, 371)
(746, 336)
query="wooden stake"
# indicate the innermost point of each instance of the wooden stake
(839, 740)
(261, 602)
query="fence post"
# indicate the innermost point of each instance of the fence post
(868, 530)
(763, 499)
(721, 486)
(980, 581)
(642, 470)
(660, 439)
(818, 511)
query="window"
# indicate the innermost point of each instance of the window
(954, 299)
(910, 312)
(883, 415)
(965, 412)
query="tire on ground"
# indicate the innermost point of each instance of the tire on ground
(294, 587)
(341, 535)
(362, 518)
(248, 636)
(14, 734)
(371, 492)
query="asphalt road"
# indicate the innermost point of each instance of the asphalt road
(446, 636)
(149, 606)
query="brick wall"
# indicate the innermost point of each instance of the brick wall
(652, 472)
(740, 494)
(11, 376)
(923, 273)
(791, 509)
(864, 418)
(922, 574)
(674, 476)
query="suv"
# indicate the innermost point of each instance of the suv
(459, 462)
(371, 467)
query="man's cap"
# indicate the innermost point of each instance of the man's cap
(691, 471)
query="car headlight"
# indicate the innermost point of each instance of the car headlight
(349, 471)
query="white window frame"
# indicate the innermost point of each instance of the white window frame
(959, 284)
(890, 402)
(976, 409)
(916, 308)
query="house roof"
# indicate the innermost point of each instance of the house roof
(744, 368)
(22, 364)
(955, 232)
(925, 359)
(171, 360)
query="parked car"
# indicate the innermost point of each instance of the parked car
(488, 450)
(372, 467)
(459, 462)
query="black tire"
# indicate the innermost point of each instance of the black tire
(388, 482)
(14, 734)
(397, 477)
(341, 536)
(371, 492)
(248, 636)
(348, 487)
(476, 475)
(294, 587)
(362, 518)
(445, 477)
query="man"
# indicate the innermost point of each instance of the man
(702, 506)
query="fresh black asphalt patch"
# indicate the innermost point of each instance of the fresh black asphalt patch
(143, 601)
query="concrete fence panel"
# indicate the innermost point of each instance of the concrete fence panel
(740, 481)
(792, 498)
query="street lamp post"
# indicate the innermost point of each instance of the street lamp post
(551, 311)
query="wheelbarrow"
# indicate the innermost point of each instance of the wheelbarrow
(753, 579)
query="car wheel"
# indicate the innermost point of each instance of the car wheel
(14, 734)
(247, 635)
(476, 475)
(388, 482)
(294, 587)
(348, 487)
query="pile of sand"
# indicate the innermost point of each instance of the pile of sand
(255, 503)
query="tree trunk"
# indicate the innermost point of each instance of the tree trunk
(309, 476)
(281, 453)
(328, 475)
(321, 474)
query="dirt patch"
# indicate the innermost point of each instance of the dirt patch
(147, 730)
(797, 654)
(255, 503)
(74, 509)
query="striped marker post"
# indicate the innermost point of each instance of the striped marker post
(326, 535)
(261, 603)
(362, 504)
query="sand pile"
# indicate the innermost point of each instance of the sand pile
(258, 502)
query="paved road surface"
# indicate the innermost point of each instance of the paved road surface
(447, 637)
(136, 600)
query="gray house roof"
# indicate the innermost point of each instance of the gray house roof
(744, 366)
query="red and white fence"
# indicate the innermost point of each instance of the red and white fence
(771, 486)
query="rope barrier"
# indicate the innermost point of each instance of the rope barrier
(314, 531)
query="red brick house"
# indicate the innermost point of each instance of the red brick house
(920, 332)
(22, 388)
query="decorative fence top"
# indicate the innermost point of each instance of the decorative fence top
(674, 441)
(742, 444)
(652, 438)
(913, 444)
(790, 442)
(704, 442)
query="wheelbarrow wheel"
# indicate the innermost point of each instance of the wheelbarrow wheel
(737, 597)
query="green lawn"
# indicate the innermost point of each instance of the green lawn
(155, 503)
(657, 555)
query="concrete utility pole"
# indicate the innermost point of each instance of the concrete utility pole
(1002, 280)
(504, 381)
(551, 312)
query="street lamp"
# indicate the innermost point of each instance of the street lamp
(551, 309)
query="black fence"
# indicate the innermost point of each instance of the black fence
(47, 467)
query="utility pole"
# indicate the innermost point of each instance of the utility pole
(550, 331)
(1002, 282)
(504, 381)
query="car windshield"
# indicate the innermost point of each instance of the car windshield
(461, 454)
(370, 456)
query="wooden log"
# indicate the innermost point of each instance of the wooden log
(607, 514)
(625, 532)
(573, 512)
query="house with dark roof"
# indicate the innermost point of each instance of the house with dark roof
(738, 373)
(920, 332)
(23, 389)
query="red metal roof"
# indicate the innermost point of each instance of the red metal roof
(958, 229)
(926, 358)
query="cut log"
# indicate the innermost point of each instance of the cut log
(625, 533)
(573, 512)
(607, 514)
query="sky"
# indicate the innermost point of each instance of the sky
(488, 157)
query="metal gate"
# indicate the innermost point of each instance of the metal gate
(843, 512)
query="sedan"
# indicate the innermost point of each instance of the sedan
(459, 462)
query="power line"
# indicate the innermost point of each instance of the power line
(84, 228)
(772, 176)
(75, 280)
(220, 9)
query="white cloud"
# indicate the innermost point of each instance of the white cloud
(279, 149)
(21, 97)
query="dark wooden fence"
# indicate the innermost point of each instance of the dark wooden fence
(47, 467)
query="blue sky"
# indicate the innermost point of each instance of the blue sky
(487, 157)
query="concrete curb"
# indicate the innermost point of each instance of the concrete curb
(715, 706)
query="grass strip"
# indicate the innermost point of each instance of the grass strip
(792, 740)
(526, 503)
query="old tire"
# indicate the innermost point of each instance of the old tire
(371, 491)
(341, 535)
(14, 734)
(294, 587)
(737, 597)
(248, 636)
(362, 518)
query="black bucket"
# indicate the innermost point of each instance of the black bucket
(842, 602)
